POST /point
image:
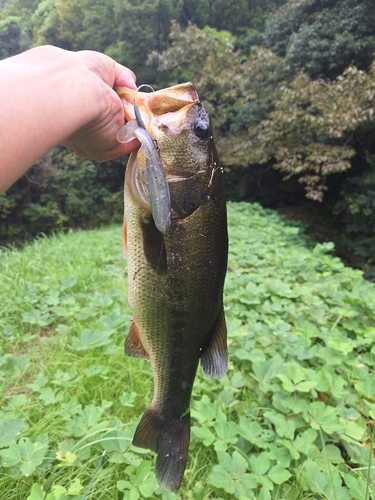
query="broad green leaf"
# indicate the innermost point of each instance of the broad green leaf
(290, 447)
(296, 372)
(123, 485)
(49, 396)
(127, 399)
(11, 456)
(99, 370)
(333, 454)
(237, 380)
(203, 433)
(304, 441)
(90, 339)
(279, 474)
(225, 430)
(316, 480)
(10, 431)
(353, 431)
(32, 453)
(27, 454)
(356, 485)
(238, 465)
(286, 382)
(324, 416)
(58, 492)
(305, 386)
(40, 382)
(244, 485)
(204, 410)
(266, 370)
(366, 387)
(36, 492)
(260, 463)
(284, 427)
(334, 488)
(132, 494)
(220, 478)
(264, 494)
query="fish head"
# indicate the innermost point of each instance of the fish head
(181, 129)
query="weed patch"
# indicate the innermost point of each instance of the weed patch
(292, 419)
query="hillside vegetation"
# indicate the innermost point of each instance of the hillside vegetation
(293, 418)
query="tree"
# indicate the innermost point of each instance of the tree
(12, 37)
(323, 37)
(316, 126)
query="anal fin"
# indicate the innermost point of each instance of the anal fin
(169, 438)
(214, 359)
(133, 343)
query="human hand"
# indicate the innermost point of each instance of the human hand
(97, 139)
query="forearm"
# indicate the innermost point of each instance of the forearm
(47, 94)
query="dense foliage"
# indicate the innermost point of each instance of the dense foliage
(62, 192)
(292, 419)
(323, 37)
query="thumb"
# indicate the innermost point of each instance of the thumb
(125, 77)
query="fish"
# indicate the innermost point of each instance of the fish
(175, 278)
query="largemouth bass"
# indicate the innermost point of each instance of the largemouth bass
(175, 279)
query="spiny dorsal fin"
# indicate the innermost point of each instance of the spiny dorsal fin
(214, 359)
(133, 344)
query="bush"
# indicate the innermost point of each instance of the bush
(59, 192)
(357, 210)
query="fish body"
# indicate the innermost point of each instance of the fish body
(175, 279)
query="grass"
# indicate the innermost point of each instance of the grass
(292, 419)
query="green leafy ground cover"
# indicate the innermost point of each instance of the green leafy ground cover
(293, 419)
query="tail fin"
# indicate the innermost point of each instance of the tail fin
(170, 440)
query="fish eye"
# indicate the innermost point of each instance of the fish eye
(201, 129)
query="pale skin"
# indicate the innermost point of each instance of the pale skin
(51, 96)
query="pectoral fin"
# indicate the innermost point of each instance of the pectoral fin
(154, 247)
(133, 344)
(214, 359)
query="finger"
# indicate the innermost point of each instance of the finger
(129, 147)
(125, 77)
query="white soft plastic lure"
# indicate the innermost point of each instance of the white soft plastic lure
(153, 173)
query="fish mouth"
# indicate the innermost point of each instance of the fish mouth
(177, 99)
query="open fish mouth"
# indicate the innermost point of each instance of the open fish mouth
(177, 99)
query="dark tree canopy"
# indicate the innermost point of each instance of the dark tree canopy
(323, 36)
